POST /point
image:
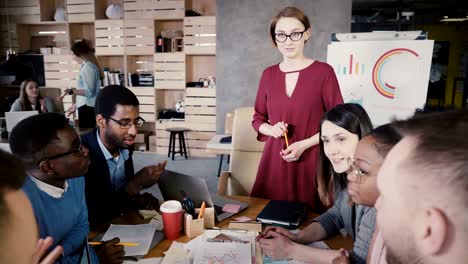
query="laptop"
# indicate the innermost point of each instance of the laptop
(13, 118)
(172, 183)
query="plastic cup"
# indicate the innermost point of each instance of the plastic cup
(171, 212)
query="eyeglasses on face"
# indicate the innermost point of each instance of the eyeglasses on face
(127, 123)
(295, 36)
(78, 150)
(354, 169)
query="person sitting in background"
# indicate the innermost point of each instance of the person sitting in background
(112, 186)
(54, 161)
(30, 99)
(341, 129)
(17, 224)
(362, 181)
(423, 183)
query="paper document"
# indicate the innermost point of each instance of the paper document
(144, 261)
(141, 234)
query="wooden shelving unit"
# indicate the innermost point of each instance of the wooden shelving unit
(128, 45)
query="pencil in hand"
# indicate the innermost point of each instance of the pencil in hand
(121, 243)
(286, 139)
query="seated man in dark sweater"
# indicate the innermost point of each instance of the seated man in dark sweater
(112, 186)
(54, 161)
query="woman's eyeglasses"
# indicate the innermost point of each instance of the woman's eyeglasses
(356, 171)
(295, 36)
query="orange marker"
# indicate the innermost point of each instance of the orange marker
(202, 210)
(286, 138)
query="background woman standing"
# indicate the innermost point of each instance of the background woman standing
(88, 84)
(292, 98)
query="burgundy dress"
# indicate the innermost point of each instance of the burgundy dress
(316, 92)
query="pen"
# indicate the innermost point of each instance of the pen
(202, 210)
(286, 138)
(121, 243)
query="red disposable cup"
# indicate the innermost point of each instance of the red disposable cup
(171, 212)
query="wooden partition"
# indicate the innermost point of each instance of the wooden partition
(139, 37)
(23, 11)
(109, 37)
(79, 11)
(61, 72)
(169, 70)
(150, 9)
(147, 104)
(200, 35)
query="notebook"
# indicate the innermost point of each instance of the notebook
(283, 213)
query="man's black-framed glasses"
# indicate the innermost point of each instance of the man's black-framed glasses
(73, 151)
(127, 123)
(295, 36)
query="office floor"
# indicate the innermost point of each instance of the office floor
(206, 168)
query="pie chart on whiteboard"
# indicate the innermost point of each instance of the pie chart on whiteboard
(394, 71)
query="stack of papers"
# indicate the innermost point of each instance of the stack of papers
(140, 234)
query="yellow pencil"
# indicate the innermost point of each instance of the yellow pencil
(286, 138)
(202, 210)
(121, 243)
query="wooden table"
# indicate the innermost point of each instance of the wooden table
(215, 147)
(255, 206)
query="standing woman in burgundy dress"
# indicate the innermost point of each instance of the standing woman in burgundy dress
(291, 99)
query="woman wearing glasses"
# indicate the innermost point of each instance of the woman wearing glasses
(362, 182)
(88, 84)
(341, 129)
(292, 97)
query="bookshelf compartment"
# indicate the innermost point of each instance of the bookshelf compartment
(82, 31)
(80, 11)
(102, 5)
(139, 37)
(200, 35)
(151, 9)
(169, 70)
(24, 11)
(109, 37)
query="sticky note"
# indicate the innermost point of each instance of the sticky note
(231, 208)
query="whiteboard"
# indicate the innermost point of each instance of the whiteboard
(388, 78)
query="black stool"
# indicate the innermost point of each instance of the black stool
(182, 147)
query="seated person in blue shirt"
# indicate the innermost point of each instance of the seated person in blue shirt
(112, 186)
(17, 224)
(54, 160)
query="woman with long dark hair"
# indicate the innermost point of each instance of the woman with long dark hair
(341, 128)
(88, 84)
(30, 99)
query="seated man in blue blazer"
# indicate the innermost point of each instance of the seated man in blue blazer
(112, 186)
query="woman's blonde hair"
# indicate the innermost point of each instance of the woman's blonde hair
(25, 104)
(82, 50)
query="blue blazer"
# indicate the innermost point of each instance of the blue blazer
(104, 203)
